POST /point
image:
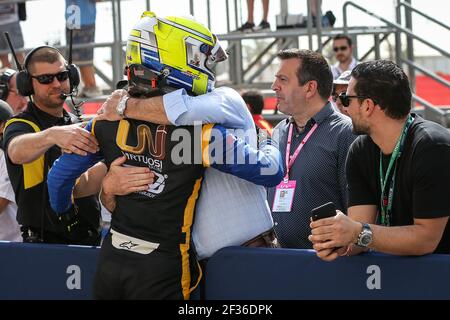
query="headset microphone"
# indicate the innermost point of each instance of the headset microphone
(64, 96)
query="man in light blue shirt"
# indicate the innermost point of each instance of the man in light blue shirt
(230, 210)
(163, 55)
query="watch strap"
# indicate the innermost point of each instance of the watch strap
(121, 107)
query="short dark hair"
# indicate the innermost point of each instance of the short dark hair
(255, 100)
(45, 54)
(386, 84)
(343, 36)
(313, 66)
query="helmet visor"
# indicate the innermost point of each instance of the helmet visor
(204, 57)
(217, 54)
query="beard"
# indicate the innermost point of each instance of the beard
(50, 101)
(359, 129)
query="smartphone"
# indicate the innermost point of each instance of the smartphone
(326, 210)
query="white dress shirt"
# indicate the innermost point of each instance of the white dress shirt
(230, 210)
(9, 228)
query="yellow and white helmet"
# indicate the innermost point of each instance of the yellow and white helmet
(178, 49)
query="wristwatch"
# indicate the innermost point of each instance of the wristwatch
(365, 237)
(122, 106)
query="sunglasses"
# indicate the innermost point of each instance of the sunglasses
(48, 78)
(336, 49)
(345, 99)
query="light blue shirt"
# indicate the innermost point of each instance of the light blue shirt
(230, 210)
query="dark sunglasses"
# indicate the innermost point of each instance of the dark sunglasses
(48, 78)
(345, 99)
(336, 49)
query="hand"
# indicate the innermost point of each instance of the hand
(108, 110)
(74, 139)
(327, 254)
(334, 232)
(125, 180)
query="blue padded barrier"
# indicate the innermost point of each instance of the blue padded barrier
(39, 271)
(258, 273)
(44, 271)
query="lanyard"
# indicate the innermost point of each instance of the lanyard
(290, 159)
(386, 201)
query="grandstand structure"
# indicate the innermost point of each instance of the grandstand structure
(431, 88)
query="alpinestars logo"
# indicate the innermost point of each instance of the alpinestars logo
(158, 186)
(128, 245)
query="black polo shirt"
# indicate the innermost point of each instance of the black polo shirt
(29, 181)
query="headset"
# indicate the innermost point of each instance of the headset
(5, 77)
(24, 81)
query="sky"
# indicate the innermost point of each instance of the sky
(38, 28)
(52, 29)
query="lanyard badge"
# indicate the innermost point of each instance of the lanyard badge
(285, 191)
(386, 200)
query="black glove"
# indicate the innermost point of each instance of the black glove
(77, 229)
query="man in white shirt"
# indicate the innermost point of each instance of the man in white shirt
(343, 51)
(9, 228)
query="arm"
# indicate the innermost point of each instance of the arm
(3, 203)
(229, 154)
(325, 233)
(223, 105)
(28, 147)
(108, 201)
(62, 177)
(418, 239)
(63, 174)
(151, 109)
(90, 182)
(122, 180)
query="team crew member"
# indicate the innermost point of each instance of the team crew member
(34, 139)
(9, 93)
(151, 229)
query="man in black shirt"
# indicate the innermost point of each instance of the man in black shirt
(397, 173)
(33, 141)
